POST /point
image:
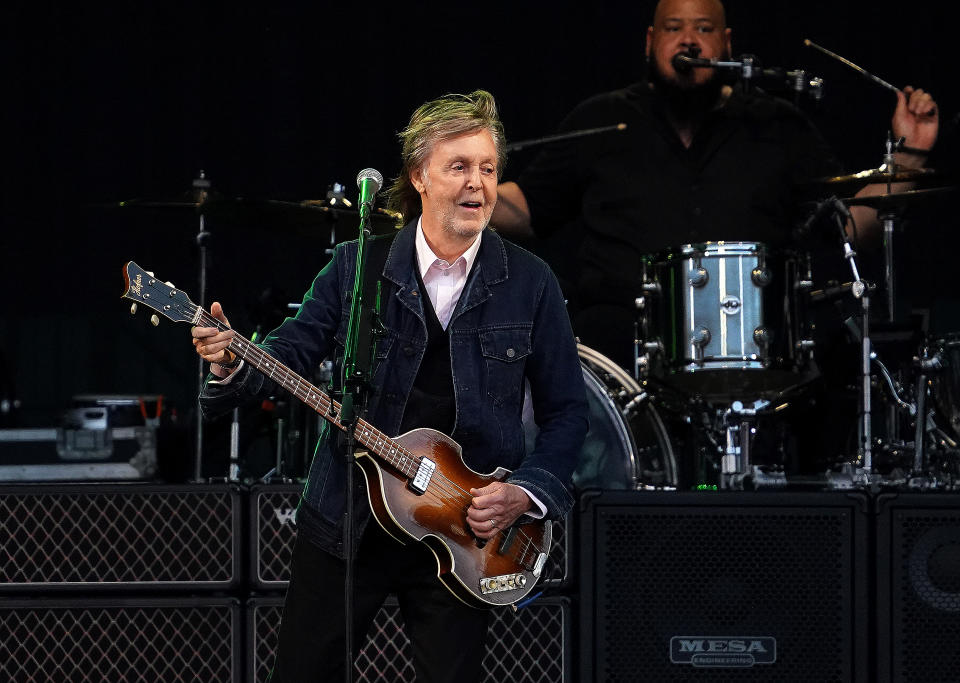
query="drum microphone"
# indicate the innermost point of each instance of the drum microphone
(825, 208)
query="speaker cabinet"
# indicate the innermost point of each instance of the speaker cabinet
(129, 537)
(745, 586)
(918, 587)
(166, 639)
(531, 645)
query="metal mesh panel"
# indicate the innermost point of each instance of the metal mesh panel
(923, 591)
(272, 509)
(714, 571)
(85, 640)
(109, 537)
(530, 645)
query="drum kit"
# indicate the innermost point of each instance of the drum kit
(724, 348)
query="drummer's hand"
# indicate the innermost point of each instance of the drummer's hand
(916, 119)
(212, 344)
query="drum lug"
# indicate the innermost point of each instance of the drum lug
(804, 285)
(640, 303)
(651, 288)
(643, 365)
(653, 346)
(700, 337)
(698, 277)
(761, 276)
(806, 345)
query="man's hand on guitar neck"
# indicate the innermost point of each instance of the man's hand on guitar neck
(496, 506)
(212, 344)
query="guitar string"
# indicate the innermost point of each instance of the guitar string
(454, 492)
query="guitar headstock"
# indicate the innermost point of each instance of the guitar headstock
(163, 297)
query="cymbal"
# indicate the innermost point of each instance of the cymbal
(879, 175)
(897, 199)
(274, 214)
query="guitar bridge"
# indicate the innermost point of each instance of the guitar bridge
(424, 473)
(502, 583)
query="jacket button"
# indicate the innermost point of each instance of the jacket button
(511, 353)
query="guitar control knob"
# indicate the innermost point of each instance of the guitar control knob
(154, 320)
(133, 308)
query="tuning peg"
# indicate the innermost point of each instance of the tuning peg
(170, 284)
(133, 308)
(154, 320)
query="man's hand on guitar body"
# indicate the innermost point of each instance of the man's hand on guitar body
(495, 507)
(212, 344)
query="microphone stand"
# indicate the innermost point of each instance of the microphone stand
(356, 386)
(201, 187)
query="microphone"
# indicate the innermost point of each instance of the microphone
(824, 209)
(683, 62)
(369, 181)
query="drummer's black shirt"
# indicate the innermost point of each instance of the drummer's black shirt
(639, 191)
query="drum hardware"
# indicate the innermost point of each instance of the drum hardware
(736, 465)
(722, 320)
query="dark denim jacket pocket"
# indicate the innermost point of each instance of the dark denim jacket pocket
(504, 352)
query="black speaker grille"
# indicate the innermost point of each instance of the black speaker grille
(721, 571)
(86, 640)
(530, 645)
(926, 594)
(104, 537)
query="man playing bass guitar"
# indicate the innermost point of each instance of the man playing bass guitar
(470, 319)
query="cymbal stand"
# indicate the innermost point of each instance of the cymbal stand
(889, 220)
(201, 189)
(860, 291)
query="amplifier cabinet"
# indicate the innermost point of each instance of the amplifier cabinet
(120, 536)
(729, 586)
(918, 587)
(161, 639)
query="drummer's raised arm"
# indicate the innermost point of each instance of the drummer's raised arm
(916, 122)
(511, 215)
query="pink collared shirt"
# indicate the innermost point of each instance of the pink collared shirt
(444, 281)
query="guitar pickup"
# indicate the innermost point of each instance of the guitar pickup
(423, 476)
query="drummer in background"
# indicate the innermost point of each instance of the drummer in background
(698, 161)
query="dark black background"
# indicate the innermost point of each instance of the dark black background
(279, 100)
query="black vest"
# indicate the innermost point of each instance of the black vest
(431, 402)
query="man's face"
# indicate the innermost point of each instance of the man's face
(684, 26)
(458, 185)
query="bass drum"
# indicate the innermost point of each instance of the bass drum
(627, 445)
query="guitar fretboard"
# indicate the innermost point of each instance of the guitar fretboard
(366, 434)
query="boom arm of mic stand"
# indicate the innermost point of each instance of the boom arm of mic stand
(517, 146)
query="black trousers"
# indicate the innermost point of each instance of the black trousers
(447, 636)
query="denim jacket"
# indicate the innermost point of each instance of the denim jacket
(510, 325)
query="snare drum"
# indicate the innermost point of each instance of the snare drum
(725, 320)
(627, 445)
